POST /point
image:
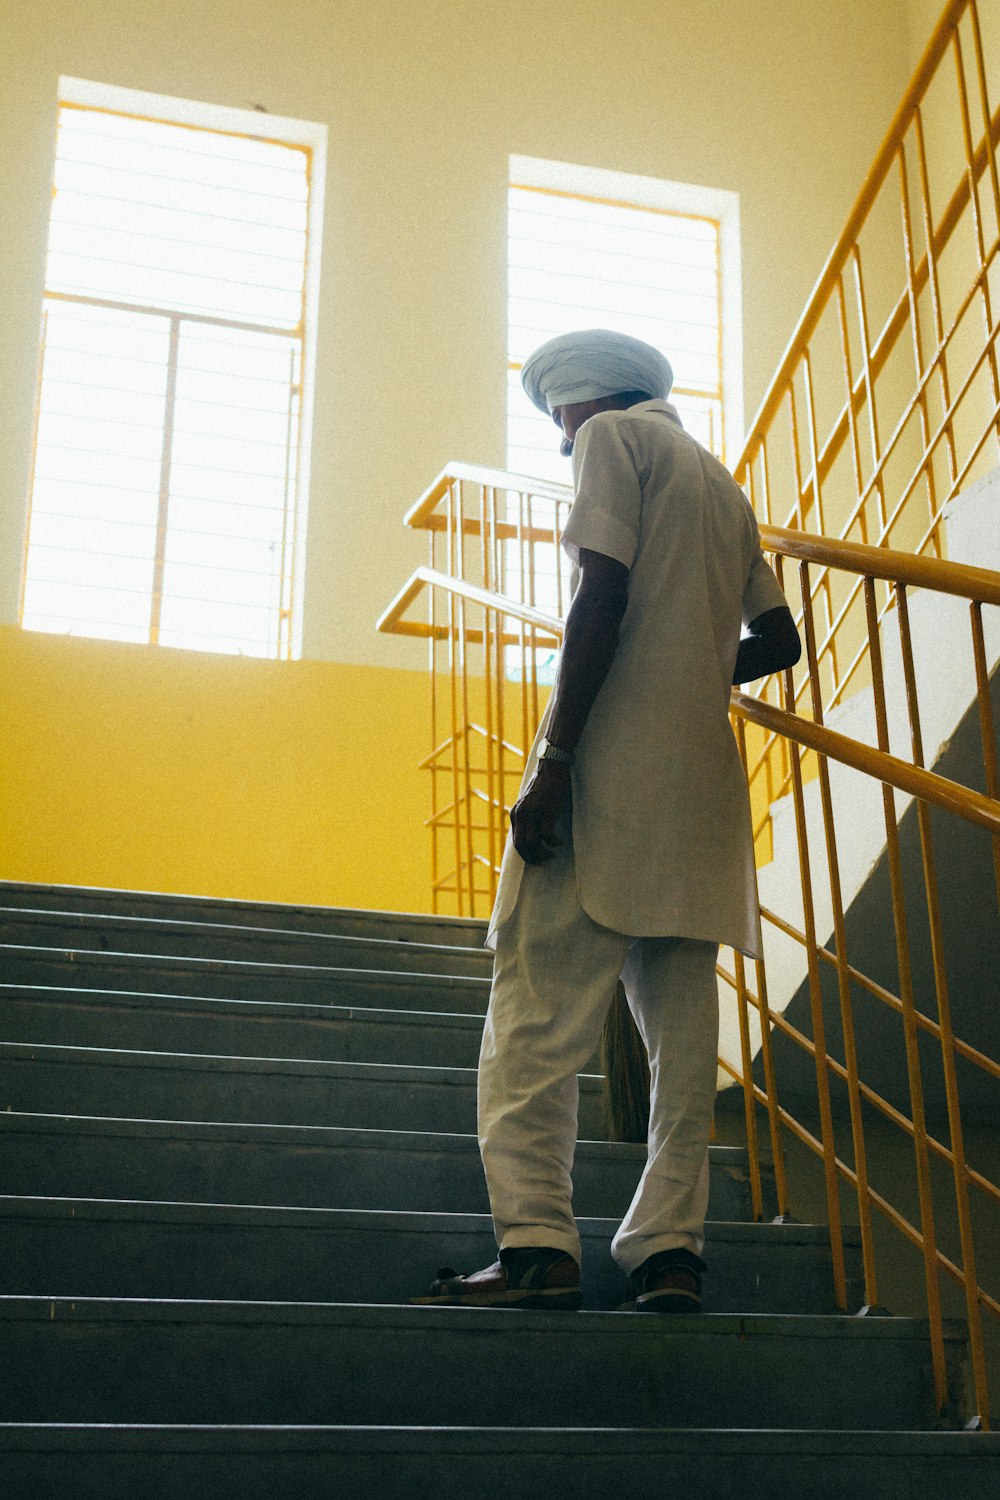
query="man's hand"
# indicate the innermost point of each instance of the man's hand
(535, 816)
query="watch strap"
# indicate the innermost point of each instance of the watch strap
(548, 751)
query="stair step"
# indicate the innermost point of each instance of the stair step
(68, 1016)
(345, 921)
(452, 1463)
(311, 1166)
(271, 1090)
(99, 932)
(257, 1362)
(78, 1247)
(223, 978)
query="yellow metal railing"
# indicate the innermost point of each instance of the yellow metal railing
(887, 401)
(477, 607)
(885, 407)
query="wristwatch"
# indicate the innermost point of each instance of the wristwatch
(548, 751)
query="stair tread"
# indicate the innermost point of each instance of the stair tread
(44, 917)
(219, 1005)
(185, 962)
(376, 1316)
(467, 931)
(147, 1057)
(148, 1210)
(209, 1437)
(308, 1135)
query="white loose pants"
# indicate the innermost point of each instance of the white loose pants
(554, 978)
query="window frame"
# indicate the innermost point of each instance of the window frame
(307, 136)
(632, 190)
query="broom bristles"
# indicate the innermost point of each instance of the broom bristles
(626, 1074)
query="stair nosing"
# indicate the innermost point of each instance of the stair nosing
(212, 1062)
(380, 1439)
(297, 1009)
(51, 1207)
(45, 1122)
(183, 927)
(32, 952)
(372, 1316)
(236, 902)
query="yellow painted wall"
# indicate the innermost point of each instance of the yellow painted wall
(212, 775)
(783, 101)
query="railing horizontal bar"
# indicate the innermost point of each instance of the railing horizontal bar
(431, 578)
(496, 479)
(508, 531)
(889, 769)
(883, 562)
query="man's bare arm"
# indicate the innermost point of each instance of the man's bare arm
(589, 645)
(772, 645)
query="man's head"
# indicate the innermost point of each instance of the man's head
(570, 416)
(577, 374)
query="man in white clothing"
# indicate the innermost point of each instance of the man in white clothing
(631, 852)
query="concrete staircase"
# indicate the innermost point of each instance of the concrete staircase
(235, 1138)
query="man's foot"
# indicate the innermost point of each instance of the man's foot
(668, 1282)
(530, 1277)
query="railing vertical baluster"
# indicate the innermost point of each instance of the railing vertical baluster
(796, 517)
(869, 387)
(523, 630)
(818, 1022)
(840, 951)
(490, 696)
(852, 417)
(500, 676)
(986, 731)
(977, 217)
(773, 1102)
(456, 736)
(749, 1103)
(927, 1226)
(936, 307)
(770, 1077)
(918, 353)
(432, 645)
(959, 1167)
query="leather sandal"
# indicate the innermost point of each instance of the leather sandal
(668, 1282)
(533, 1277)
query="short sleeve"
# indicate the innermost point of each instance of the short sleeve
(608, 495)
(762, 591)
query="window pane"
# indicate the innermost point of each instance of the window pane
(97, 467)
(168, 216)
(579, 263)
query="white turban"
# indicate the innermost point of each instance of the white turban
(592, 363)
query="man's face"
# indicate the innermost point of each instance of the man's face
(572, 417)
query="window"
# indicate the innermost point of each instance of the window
(657, 260)
(168, 487)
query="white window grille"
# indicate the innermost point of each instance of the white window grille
(168, 486)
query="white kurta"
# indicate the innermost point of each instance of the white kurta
(661, 816)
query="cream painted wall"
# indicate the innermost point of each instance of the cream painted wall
(782, 100)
